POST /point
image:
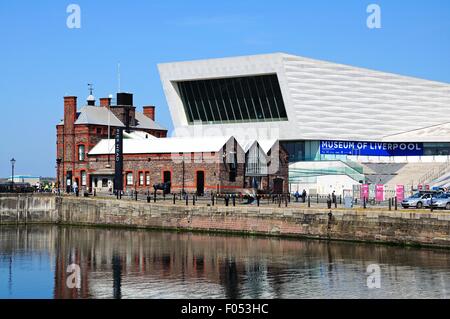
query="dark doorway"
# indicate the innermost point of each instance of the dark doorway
(200, 183)
(167, 178)
(278, 186)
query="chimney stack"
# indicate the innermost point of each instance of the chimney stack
(149, 111)
(105, 101)
(70, 111)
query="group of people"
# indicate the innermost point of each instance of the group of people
(303, 196)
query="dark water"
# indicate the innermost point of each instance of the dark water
(140, 264)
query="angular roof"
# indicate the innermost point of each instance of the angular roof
(435, 133)
(163, 145)
(323, 100)
(99, 116)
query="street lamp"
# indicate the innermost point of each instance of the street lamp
(13, 162)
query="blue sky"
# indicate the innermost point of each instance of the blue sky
(41, 60)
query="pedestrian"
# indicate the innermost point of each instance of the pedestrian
(304, 196)
(75, 187)
(333, 197)
(296, 195)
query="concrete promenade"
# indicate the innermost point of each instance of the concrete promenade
(404, 227)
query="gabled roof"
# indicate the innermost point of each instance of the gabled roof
(99, 116)
(266, 145)
(163, 145)
(144, 122)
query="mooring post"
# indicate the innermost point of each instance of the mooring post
(309, 201)
(390, 204)
(212, 198)
(174, 198)
(154, 196)
(193, 200)
(187, 199)
(317, 198)
(396, 203)
(257, 200)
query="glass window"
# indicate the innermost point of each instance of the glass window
(147, 178)
(81, 153)
(141, 178)
(83, 178)
(237, 99)
(129, 179)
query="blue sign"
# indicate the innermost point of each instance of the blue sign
(371, 148)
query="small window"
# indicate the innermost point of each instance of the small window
(147, 178)
(83, 178)
(130, 179)
(141, 179)
(81, 153)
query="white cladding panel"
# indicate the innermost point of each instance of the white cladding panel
(323, 100)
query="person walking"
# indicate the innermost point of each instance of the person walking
(304, 196)
(75, 188)
(296, 195)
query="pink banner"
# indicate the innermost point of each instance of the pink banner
(364, 191)
(400, 192)
(379, 193)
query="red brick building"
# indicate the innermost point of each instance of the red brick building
(193, 165)
(80, 130)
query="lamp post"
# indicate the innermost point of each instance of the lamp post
(58, 164)
(13, 162)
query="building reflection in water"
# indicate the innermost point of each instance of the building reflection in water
(141, 264)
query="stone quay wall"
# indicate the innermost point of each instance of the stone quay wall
(406, 227)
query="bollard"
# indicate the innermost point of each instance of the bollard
(309, 201)
(390, 204)
(187, 200)
(193, 200)
(317, 198)
(164, 195)
(257, 200)
(396, 203)
(340, 199)
(226, 200)
(286, 201)
(117, 194)
(212, 199)
(148, 198)
(234, 200)
(135, 195)
(279, 201)
(95, 193)
(364, 203)
(154, 196)
(174, 198)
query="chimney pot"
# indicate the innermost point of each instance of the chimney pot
(105, 101)
(149, 111)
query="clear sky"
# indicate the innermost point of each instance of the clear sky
(41, 59)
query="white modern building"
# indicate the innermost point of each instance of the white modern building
(336, 121)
